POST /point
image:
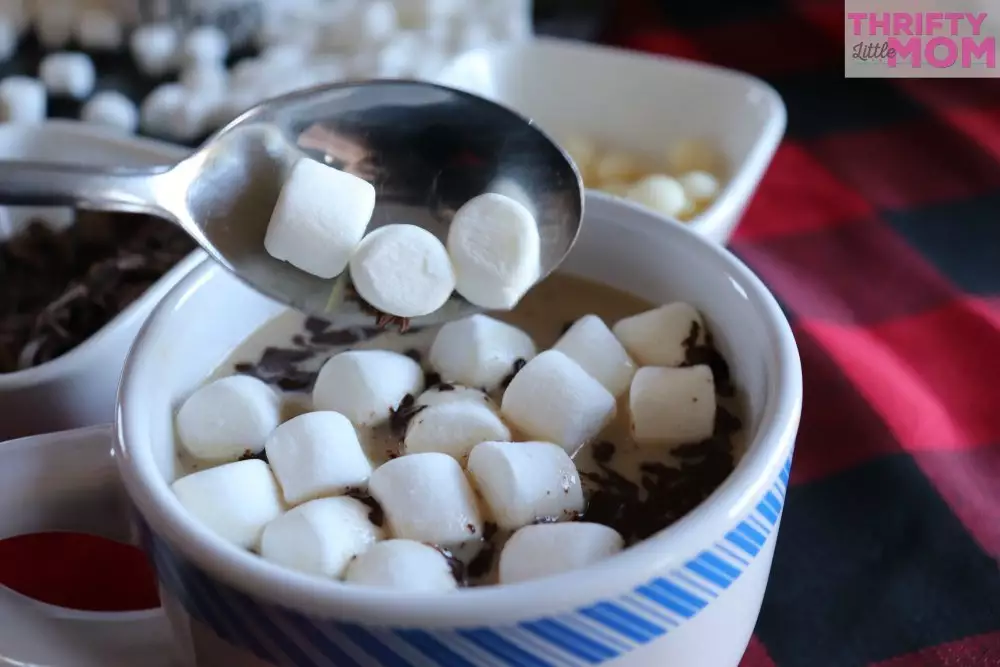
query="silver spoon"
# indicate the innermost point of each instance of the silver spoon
(426, 148)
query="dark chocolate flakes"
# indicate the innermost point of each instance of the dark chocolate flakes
(57, 288)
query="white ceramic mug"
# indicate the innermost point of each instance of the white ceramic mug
(688, 596)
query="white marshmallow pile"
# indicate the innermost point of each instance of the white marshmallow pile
(319, 219)
(332, 41)
(465, 466)
(684, 184)
(547, 549)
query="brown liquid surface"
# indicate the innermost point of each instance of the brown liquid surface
(637, 490)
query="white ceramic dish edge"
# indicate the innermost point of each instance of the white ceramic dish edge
(533, 78)
(79, 387)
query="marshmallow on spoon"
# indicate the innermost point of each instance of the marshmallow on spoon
(403, 565)
(659, 337)
(590, 343)
(22, 100)
(548, 549)
(228, 417)
(319, 218)
(68, 73)
(235, 501)
(111, 109)
(524, 482)
(553, 399)
(317, 454)
(494, 245)
(453, 428)
(155, 48)
(320, 537)
(672, 406)
(402, 270)
(479, 351)
(366, 385)
(427, 498)
(98, 29)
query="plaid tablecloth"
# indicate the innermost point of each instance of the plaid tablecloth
(878, 229)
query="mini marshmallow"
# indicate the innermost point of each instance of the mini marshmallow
(398, 56)
(590, 343)
(402, 270)
(474, 35)
(426, 497)
(659, 337)
(22, 100)
(170, 111)
(366, 385)
(8, 38)
(317, 454)
(524, 482)
(53, 22)
(210, 79)
(68, 73)
(205, 44)
(615, 166)
(404, 565)
(98, 29)
(320, 537)
(376, 21)
(319, 219)
(111, 109)
(479, 351)
(453, 428)
(672, 406)
(155, 48)
(692, 155)
(227, 418)
(555, 400)
(661, 193)
(235, 501)
(451, 393)
(699, 186)
(548, 549)
(495, 248)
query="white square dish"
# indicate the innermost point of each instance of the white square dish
(637, 103)
(78, 388)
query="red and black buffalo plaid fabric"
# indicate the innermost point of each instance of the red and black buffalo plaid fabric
(878, 229)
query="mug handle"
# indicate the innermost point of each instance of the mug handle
(68, 482)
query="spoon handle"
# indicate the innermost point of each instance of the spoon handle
(83, 186)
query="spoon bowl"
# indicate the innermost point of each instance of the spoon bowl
(426, 149)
